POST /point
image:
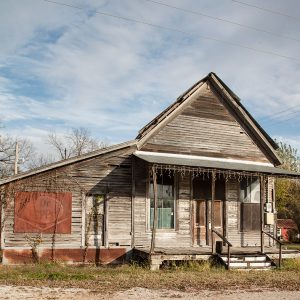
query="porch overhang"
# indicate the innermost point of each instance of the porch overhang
(172, 161)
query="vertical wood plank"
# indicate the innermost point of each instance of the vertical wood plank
(224, 224)
(132, 200)
(83, 219)
(155, 216)
(213, 192)
(262, 195)
(106, 217)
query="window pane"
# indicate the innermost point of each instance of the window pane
(250, 190)
(255, 191)
(165, 211)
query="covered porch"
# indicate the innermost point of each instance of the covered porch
(231, 207)
(162, 255)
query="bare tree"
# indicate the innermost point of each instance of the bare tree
(75, 143)
(8, 154)
(39, 160)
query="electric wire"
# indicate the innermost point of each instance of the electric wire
(267, 52)
(267, 10)
(222, 20)
(279, 113)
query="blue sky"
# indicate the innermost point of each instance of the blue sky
(62, 67)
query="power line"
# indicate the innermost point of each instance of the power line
(285, 120)
(198, 13)
(268, 52)
(267, 10)
(282, 121)
(275, 115)
(276, 118)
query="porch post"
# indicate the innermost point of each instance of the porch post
(262, 197)
(213, 187)
(155, 216)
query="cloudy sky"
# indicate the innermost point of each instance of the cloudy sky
(69, 66)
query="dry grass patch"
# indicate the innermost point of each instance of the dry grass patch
(184, 277)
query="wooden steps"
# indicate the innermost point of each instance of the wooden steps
(247, 262)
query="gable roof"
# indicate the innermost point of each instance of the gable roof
(145, 133)
(264, 140)
(69, 161)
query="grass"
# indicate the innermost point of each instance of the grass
(185, 277)
(292, 246)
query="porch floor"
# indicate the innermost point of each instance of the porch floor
(204, 253)
(207, 250)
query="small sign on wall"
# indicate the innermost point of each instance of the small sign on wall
(41, 212)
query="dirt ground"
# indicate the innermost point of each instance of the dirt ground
(28, 292)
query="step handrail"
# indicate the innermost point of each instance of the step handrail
(280, 246)
(224, 239)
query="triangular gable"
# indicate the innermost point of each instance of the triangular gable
(208, 120)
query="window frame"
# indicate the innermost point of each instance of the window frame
(175, 200)
(92, 198)
(242, 228)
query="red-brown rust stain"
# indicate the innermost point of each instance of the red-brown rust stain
(43, 212)
(101, 256)
(17, 256)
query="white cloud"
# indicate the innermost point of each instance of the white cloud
(113, 76)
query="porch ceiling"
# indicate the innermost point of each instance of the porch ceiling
(213, 163)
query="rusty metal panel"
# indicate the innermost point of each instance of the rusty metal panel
(101, 256)
(43, 212)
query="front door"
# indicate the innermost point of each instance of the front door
(200, 216)
(202, 206)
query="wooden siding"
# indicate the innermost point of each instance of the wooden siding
(233, 208)
(108, 175)
(206, 127)
(180, 236)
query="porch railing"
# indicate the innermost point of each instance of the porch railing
(280, 246)
(226, 242)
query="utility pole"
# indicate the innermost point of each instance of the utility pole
(16, 158)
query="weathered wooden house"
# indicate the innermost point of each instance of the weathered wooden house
(198, 177)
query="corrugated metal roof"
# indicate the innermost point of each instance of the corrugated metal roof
(287, 223)
(213, 164)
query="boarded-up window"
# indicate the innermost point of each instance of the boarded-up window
(250, 204)
(250, 216)
(43, 212)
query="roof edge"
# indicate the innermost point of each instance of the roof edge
(266, 141)
(65, 162)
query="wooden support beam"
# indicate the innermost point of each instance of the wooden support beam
(132, 201)
(155, 215)
(262, 202)
(213, 193)
(83, 219)
(106, 203)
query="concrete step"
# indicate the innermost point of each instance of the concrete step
(245, 258)
(248, 262)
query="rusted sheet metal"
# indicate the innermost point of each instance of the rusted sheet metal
(101, 256)
(43, 212)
